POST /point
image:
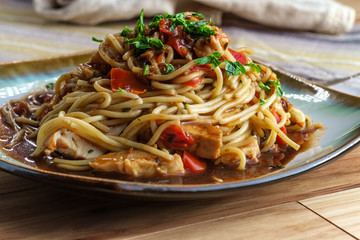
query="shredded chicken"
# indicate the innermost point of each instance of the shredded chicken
(72, 146)
(138, 163)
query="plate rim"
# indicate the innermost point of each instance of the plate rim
(136, 188)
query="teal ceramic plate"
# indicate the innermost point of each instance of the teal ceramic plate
(339, 112)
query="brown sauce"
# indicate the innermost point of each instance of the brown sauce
(25, 147)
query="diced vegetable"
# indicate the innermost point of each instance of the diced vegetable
(283, 129)
(126, 80)
(213, 59)
(193, 163)
(174, 137)
(164, 26)
(178, 45)
(206, 68)
(238, 56)
(194, 82)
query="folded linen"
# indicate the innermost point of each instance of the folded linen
(326, 16)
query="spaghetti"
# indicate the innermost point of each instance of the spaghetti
(163, 99)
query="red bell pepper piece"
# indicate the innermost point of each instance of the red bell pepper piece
(124, 79)
(283, 129)
(193, 163)
(174, 137)
(206, 68)
(178, 45)
(194, 82)
(238, 56)
(164, 26)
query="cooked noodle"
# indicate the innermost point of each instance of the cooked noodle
(84, 102)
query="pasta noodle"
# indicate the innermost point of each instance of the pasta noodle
(150, 89)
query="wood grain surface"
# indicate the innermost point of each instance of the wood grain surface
(320, 204)
(283, 210)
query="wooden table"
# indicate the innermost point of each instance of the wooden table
(321, 204)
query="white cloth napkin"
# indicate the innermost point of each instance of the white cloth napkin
(326, 16)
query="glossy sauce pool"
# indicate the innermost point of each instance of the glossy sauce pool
(214, 173)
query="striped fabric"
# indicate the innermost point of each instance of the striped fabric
(25, 36)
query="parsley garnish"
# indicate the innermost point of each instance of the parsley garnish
(186, 105)
(97, 74)
(198, 15)
(126, 109)
(155, 22)
(213, 59)
(96, 40)
(262, 101)
(141, 42)
(254, 67)
(90, 151)
(50, 86)
(264, 87)
(125, 32)
(234, 68)
(199, 29)
(277, 86)
(121, 90)
(146, 70)
(140, 26)
(169, 68)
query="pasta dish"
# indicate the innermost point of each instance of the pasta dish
(165, 99)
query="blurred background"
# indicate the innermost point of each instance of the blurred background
(323, 49)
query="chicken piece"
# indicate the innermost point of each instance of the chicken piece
(207, 139)
(138, 163)
(72, 146)
(251, 151)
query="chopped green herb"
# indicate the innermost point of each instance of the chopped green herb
(146, 70)
(198, 15)
(234, 68)
(126, 109)
(186, 105)
(277, 86)
(140, 26)
(143, 43)
(199, 29)
(90, 151)
(97, 75)
(169, 68)
(262, 101)
(264, 87)
(155, 22)
(96, 40)
(125, 32)
(156, 43)
(121, 90)
(212, 59)
(254, 67)
(50, 86)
